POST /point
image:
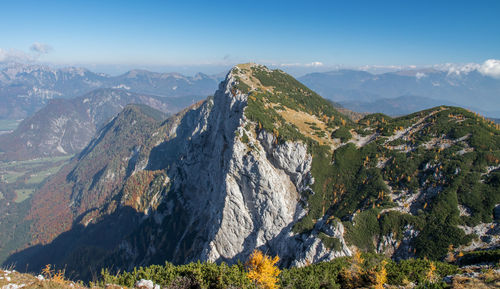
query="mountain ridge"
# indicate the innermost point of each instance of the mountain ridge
(268, 164)
(468, 89)
(26, 88)
(65, 126)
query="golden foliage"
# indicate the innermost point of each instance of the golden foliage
(357, 262)
(431, 274)
(381, 276)
(450, 256)
(262, 270)
(53, 275)
(352, 277)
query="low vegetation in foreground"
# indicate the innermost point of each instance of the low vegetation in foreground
(362, 270)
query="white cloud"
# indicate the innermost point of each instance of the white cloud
(420, 75)
(378, 69)
(458, 69)
(40, 48)
(314, 64)
(310, 64)
(490, 67)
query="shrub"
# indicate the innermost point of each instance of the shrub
(342, 133)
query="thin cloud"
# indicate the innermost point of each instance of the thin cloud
(40, 48)
(36, 50)
(14, 55)
(310, 64)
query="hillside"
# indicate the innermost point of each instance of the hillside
(66, 126)
(268, 164)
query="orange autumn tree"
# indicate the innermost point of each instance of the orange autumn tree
(262, 270)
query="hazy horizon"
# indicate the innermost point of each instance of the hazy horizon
(299, 37)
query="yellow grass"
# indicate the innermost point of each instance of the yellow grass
(299, 119)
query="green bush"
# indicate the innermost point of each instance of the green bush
(415, 270)
(342, 133)
(483, 256)
(203, 275)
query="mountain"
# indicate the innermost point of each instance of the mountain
(469, 89)
(66, 126)
(401, 105)
(267, 163)
(26, 88)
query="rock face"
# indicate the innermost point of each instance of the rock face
(237, 194)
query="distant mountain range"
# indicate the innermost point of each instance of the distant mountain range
(389, 92)
(26, 88)
(65, 126)
(401, 105)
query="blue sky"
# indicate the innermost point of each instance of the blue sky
(220, 33)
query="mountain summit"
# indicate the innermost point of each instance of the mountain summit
(268, 164)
